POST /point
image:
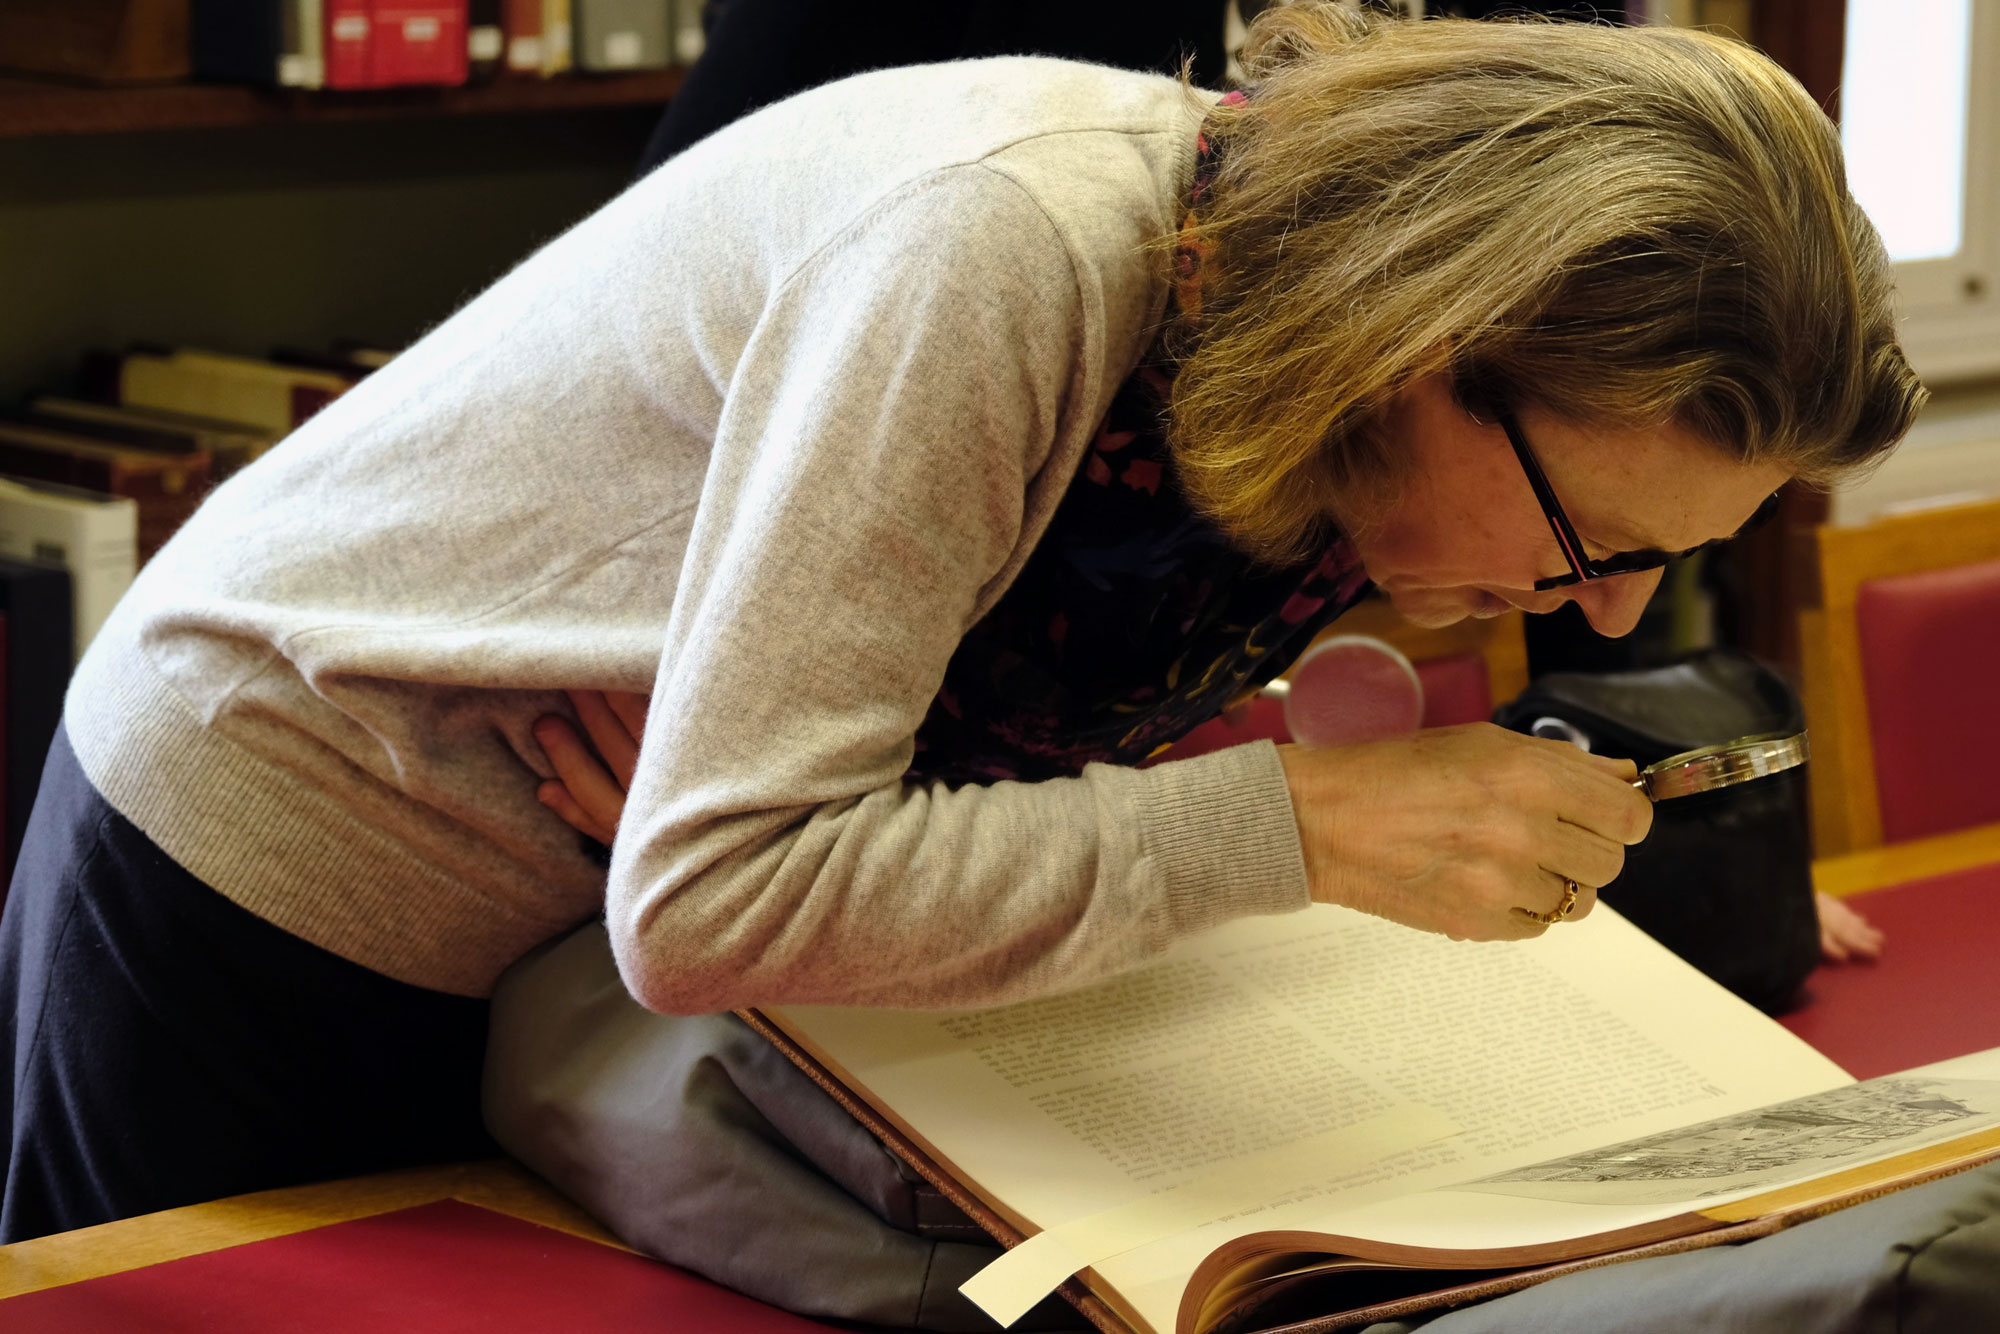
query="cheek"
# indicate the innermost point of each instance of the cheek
(1441, 547)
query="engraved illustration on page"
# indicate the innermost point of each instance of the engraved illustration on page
(1770, 1146)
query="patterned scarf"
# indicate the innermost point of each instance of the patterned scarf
(1134, 620)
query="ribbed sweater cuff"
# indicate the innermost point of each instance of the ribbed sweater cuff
(1220, 829)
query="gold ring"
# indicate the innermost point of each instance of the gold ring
(1562, 910)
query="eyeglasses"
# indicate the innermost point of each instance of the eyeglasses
(1582, 567)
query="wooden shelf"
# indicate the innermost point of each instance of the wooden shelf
(32, 108)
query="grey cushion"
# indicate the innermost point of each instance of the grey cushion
(1922, 1261)
(696, 1141)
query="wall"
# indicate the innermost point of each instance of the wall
(244, 238)
(1953, 452)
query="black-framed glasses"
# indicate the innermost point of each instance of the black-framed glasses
(1581, 567)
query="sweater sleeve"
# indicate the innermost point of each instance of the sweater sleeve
(888, 421)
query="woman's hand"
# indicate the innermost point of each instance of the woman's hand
(1844, 934)
(592, 779)
(1463, 830)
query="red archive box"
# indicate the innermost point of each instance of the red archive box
(389, 43)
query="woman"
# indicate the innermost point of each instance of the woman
(840, 436)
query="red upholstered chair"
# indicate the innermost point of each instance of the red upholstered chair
(1902, 677)
(1466, 669)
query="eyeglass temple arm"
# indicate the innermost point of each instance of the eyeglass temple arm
(1552, 510)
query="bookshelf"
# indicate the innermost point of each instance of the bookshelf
(31, 108)
(241, 218)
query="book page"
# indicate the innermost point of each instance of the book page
(1278, 1032)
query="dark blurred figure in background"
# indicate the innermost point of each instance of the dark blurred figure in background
(762, 51)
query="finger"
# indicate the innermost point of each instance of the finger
(615, 743)
(1596, 799)
(1622, 770)
(1843, 932)
(586, 778)
(1604, 766)
(631, 710)
(1586, 902)
(556, 797)
(1583, 855)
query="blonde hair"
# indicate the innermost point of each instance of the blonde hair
(1626, 226)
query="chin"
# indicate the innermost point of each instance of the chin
(1433, 611)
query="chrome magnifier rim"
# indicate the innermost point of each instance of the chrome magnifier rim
(1723, 765)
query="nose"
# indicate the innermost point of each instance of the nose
(1613, 606)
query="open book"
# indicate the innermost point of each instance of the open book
(1327, 1118)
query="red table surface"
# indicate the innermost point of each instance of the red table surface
(441, 1268)
(1934, 993)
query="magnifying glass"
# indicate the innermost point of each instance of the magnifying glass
(1725, 765)
(1702, 770)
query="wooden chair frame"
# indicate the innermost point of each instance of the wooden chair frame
(1846, 808)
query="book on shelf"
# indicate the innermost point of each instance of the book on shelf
(558, 55)
(690, 38)
(166, 485)
(485, 40)
(230, 445)
(1327, 1117)
(34, 673)
(418, 42)
(259, 393)
(93, 536)
(623, 34)
(347, 37)
(521, 21)
(395, 43)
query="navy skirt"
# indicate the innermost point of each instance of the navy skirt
(162, 1046)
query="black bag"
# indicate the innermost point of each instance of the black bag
(1725, 878)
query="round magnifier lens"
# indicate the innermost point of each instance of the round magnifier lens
(1724, 765)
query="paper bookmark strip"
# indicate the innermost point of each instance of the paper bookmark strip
(1029, 1272)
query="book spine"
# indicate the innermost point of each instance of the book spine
(348, 33)
(690, 38)
(96, 541)
(302, 64)
(485, 40)
(223, 389)
(522, 21)
(418, 42)
(623, 34)
(166, 495)
(556, 37)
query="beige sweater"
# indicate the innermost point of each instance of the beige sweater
(763, 436)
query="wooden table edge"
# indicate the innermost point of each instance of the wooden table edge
(197, 1229)
(1901, 863)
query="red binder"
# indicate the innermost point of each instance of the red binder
(390, 43)
(349, 27)
(419, 42)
